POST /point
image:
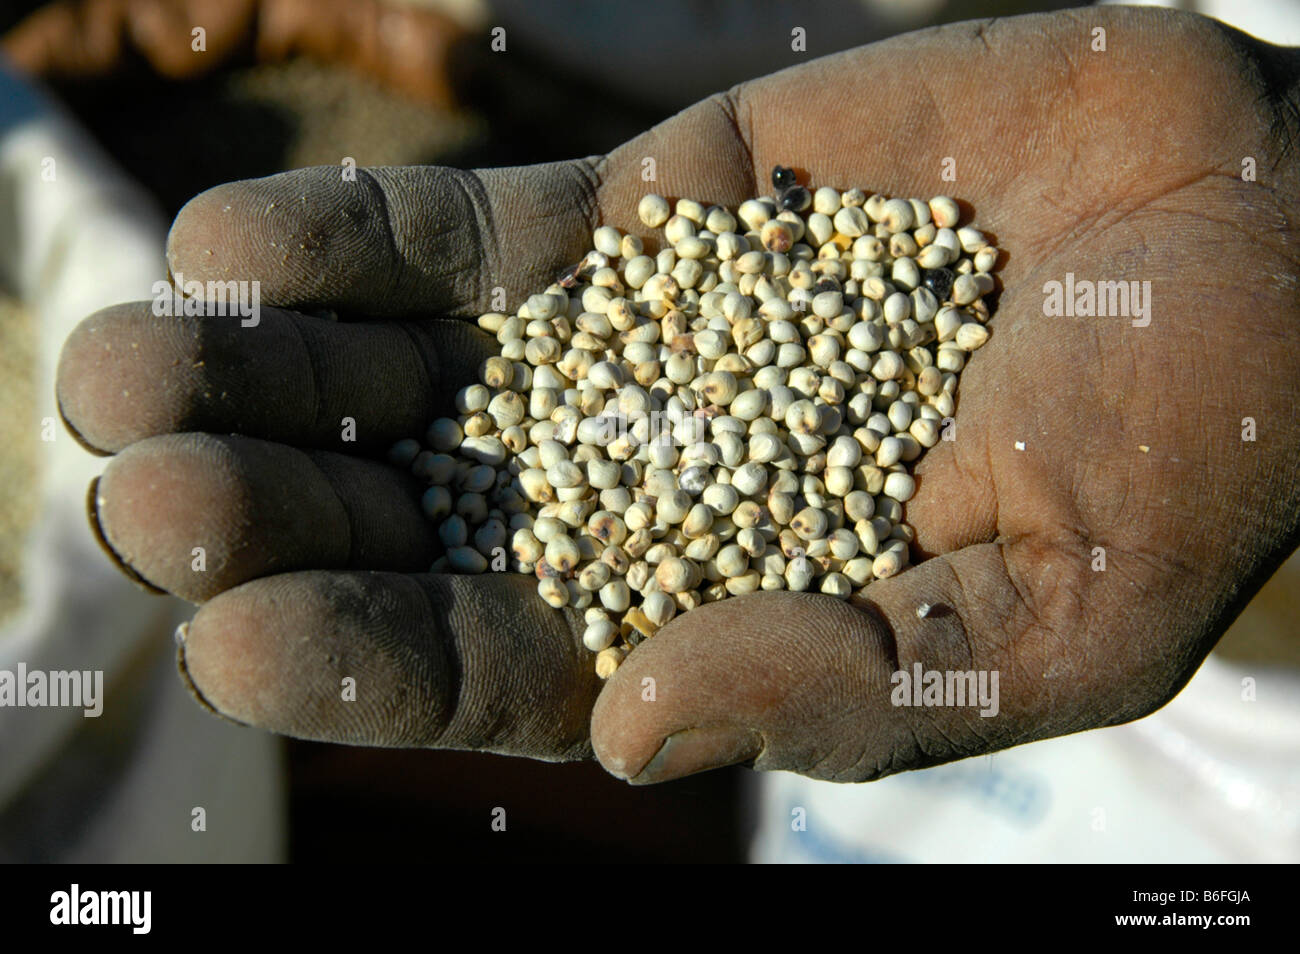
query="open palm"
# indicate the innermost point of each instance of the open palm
(1073, 433)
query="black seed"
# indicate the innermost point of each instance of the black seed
(795, 199)
(939, 281)
(827, 283)
(569, 277)
(782, 177)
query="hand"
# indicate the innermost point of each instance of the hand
(407, 49)
(1116, 165)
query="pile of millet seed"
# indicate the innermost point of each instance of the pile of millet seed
(732, 411)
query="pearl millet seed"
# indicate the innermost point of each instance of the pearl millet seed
(733, 406)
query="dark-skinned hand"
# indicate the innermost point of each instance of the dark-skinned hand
(1119, 165)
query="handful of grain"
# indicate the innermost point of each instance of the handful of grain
(734, 412)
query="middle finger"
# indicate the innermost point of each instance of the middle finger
(126, 375)
(196, 514)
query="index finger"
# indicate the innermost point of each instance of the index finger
(435, 241)
(388, 242)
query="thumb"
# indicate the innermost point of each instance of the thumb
(806, 683)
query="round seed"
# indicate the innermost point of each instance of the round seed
(887, 366)
(722, 499)
(719, 221)
(616, 596)
(732, 560)
(844, 452)
(781, 507)
(809, 523)
(553, 591)
(436, 502)
(466, 560)
(828, 304)
(404, 452)
(950, 359)
(777, 236)
(562, 553)
(747, 582)
(972, 239)
(837, 585)
(749, 478)
(565, 473)
(703, 548)
(659, 608)
(526, 547)
(971, 336)
(653, 210)
(751, 541)
(826, 201)
(897, 215)
(944, 212)
(603, 474)
(607, 527)
(965, 290)
(473, 398)
(889, 452)
(839, 480)
(799, 574)
(673, 507)
(851, 221)
(900, 486)
(608, 241)
(676, 575)
(887, 564)
(698, 521)
(453, 532)
(599, 635)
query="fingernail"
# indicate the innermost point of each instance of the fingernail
(698, 750)
(182, 638)
(76, 434)
(97, 528)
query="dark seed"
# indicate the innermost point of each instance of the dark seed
(782, 177)
(825, 284)
(795, 199)
(542, 570)
(939, 281)
(569, 277)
